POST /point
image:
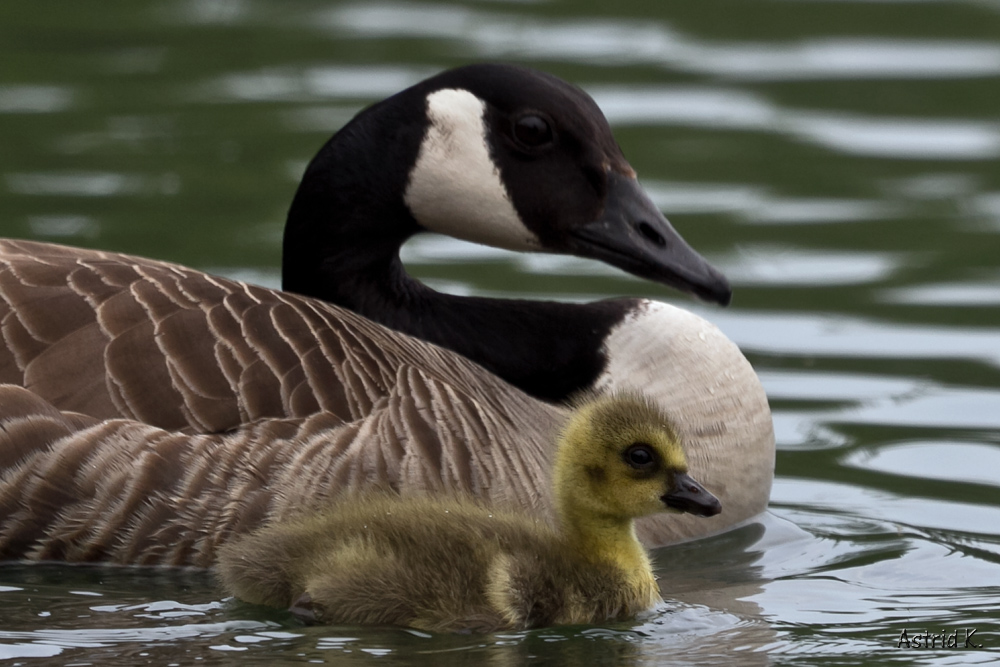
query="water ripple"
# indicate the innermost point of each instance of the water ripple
(805, 334)
(623, 41)
(880, 58)
(829, 386)
(34, 98)
(944, 460)
(848, 133)
(987, 205)
(951, 407)
(756, 205)
(944, 294)
(312, 83)
(696, 106)
(91, 184)
(857, 501)
(64, 226)
(795, 267)
(902, 138)
(96, 637)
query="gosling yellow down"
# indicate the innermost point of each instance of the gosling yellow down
(452, 564)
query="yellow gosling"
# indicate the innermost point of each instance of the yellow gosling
(454, 564)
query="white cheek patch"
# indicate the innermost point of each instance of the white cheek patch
(455, 187)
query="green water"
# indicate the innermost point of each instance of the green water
(837, 159)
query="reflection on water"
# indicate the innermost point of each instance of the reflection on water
(756, 205)
(794, 267)
(63, 226)
(315, 84)
(853, 134)
(946, 295)
(634, 42)
(838, 160)
(947, 460)
(34, 99)
(905, 138)
(819, 334)
(91, 184)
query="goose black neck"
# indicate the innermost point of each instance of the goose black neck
(548, 349)
(345, 228)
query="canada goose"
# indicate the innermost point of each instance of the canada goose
(109, 335)
(456, 564)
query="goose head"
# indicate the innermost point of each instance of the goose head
(495, 154)
(620, 459)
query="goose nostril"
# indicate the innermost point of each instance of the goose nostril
(651, 234)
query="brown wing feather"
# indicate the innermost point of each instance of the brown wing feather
(78, 489)
(119, 336)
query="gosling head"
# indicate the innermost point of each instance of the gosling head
(619, 458)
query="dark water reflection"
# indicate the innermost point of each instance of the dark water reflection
(839, 160)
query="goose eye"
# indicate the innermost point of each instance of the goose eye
(532, 131)
(640, 456)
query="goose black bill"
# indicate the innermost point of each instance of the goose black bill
(633, 235)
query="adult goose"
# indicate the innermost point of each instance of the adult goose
(489, 153)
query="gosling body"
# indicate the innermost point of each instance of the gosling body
(456, 564)
(436, 565)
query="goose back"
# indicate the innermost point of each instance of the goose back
(110, 335)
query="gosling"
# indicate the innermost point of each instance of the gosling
(452, 564)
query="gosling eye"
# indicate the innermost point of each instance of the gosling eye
(533, 132)
(640, 456)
